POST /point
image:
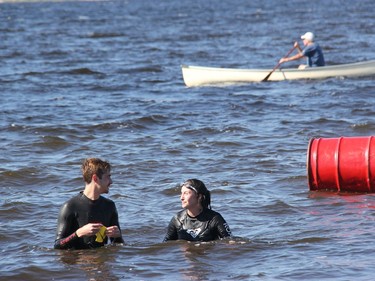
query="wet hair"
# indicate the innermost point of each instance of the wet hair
(94, 166)
(200, 188)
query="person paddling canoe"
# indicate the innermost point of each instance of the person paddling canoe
(312, 52)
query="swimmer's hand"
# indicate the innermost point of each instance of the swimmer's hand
(89, 229)
(113, 231)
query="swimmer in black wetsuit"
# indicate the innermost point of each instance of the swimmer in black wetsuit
(82, 217)
(197, 222)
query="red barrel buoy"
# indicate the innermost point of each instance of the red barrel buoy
(345, 164)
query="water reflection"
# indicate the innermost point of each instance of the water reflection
(196, 267)
(199, 254)
(95, 263)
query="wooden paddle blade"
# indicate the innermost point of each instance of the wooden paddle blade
(269, 74)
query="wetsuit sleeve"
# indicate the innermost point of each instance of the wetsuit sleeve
(66, 237)
(222, 227)
(115, 221)
(171, 230)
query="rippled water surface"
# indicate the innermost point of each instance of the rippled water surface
(103, 79)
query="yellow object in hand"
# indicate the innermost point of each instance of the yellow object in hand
(101, 234)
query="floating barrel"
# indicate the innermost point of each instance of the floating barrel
(345, 164)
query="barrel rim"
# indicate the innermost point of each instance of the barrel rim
(308, 164)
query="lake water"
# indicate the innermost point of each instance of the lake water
(102, 79)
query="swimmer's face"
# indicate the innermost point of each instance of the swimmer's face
(105, 182)
(189, 198)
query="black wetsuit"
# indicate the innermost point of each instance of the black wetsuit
(80, 211)
(207, 226)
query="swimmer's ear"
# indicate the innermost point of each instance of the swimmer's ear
(94, 178)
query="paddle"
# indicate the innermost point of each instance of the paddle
(269, 74)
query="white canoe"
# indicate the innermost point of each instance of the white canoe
(199, 75)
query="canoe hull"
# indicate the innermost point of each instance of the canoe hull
(198, 76)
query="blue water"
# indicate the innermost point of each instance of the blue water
(103, 79)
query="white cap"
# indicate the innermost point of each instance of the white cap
(309, 36)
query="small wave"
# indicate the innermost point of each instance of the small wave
(77, 71)
(15, 210)
(108, 126)
(17, 174)
(278, 207)
(308, 240)
(26, 176)
(152, 119)
(218, 35)
(11, 55)
(53, 142)
(54, 53)
(33, 73)
(225, 143)
(365, 126)
(138, 123)
(189, 37)
(83, 71)
(206, 130)
(235, 129)
(96, 35)
(171, 191)
(142, 69)
(111, 126)
(323, 120)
